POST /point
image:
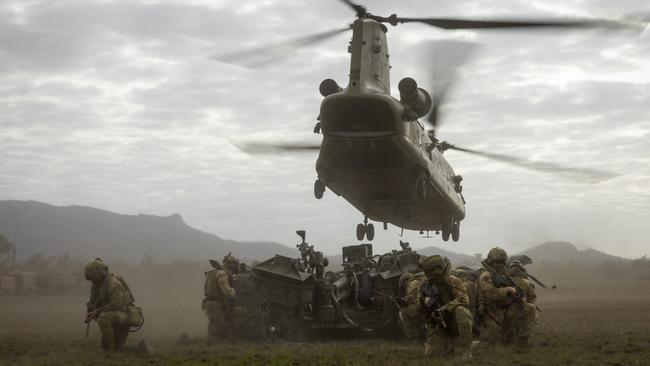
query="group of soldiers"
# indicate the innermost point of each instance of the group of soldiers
(454, 307)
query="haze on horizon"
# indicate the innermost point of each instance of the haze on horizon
(116, 105)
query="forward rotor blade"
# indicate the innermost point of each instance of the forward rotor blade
(264, 148)
(359, 9)
(579, 174)
(266, 54)
(453, 23)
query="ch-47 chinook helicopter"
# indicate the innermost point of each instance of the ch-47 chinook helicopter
(375, 151)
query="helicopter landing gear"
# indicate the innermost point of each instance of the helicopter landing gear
(319, 188)
(366, 230)
(446, 231)
(452, 230)
(455, 231)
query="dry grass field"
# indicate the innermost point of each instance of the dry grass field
(581, 324)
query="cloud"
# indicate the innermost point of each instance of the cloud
(116, 104)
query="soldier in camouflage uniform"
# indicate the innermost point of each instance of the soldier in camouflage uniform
(518, 273)
(504, 316)
(410, 314)
(470, 280)
(111, 305)
(452, 326)
(219, 301)
(250, 324)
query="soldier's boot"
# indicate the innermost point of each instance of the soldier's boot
(144, 349)
(120, 337)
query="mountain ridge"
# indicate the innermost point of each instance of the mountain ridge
(84, 231)
(90, 232)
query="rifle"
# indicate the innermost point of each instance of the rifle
(91, 306)
(502, 280)
(431, 313)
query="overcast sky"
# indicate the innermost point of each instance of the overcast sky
(117, 105)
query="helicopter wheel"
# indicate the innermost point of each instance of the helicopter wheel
(455, 231)
(361, 232)
(370, 232)
(445, 233)
(319, 188)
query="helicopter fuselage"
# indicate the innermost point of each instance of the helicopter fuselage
(376, 154)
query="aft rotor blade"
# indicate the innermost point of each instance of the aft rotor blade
(263, 148)
(454, 23)
(580, 174)
(444, 58)
(266, 54)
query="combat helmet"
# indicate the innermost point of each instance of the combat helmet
(497, 255)
(436, 267)
(517, 269)
(96, 270)
(231, 263)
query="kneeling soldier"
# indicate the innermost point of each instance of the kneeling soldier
(443, 299)
(506, 312)
(111, 304)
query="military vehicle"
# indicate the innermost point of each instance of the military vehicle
(302, 300)
(375, 151)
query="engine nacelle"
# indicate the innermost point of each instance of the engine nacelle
(416, 101)
(329, 86)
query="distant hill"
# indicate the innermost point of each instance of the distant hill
(562, 253)
(90, 232)
(455, 258)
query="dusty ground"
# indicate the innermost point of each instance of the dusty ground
(581, 324)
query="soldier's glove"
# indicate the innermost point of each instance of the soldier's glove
(90, 316)
(428, 301)
(444, 308)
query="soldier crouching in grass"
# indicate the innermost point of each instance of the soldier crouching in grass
(443, 298)
(111, 305)
(505, 312)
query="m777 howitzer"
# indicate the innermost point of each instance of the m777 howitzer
(304, 300)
